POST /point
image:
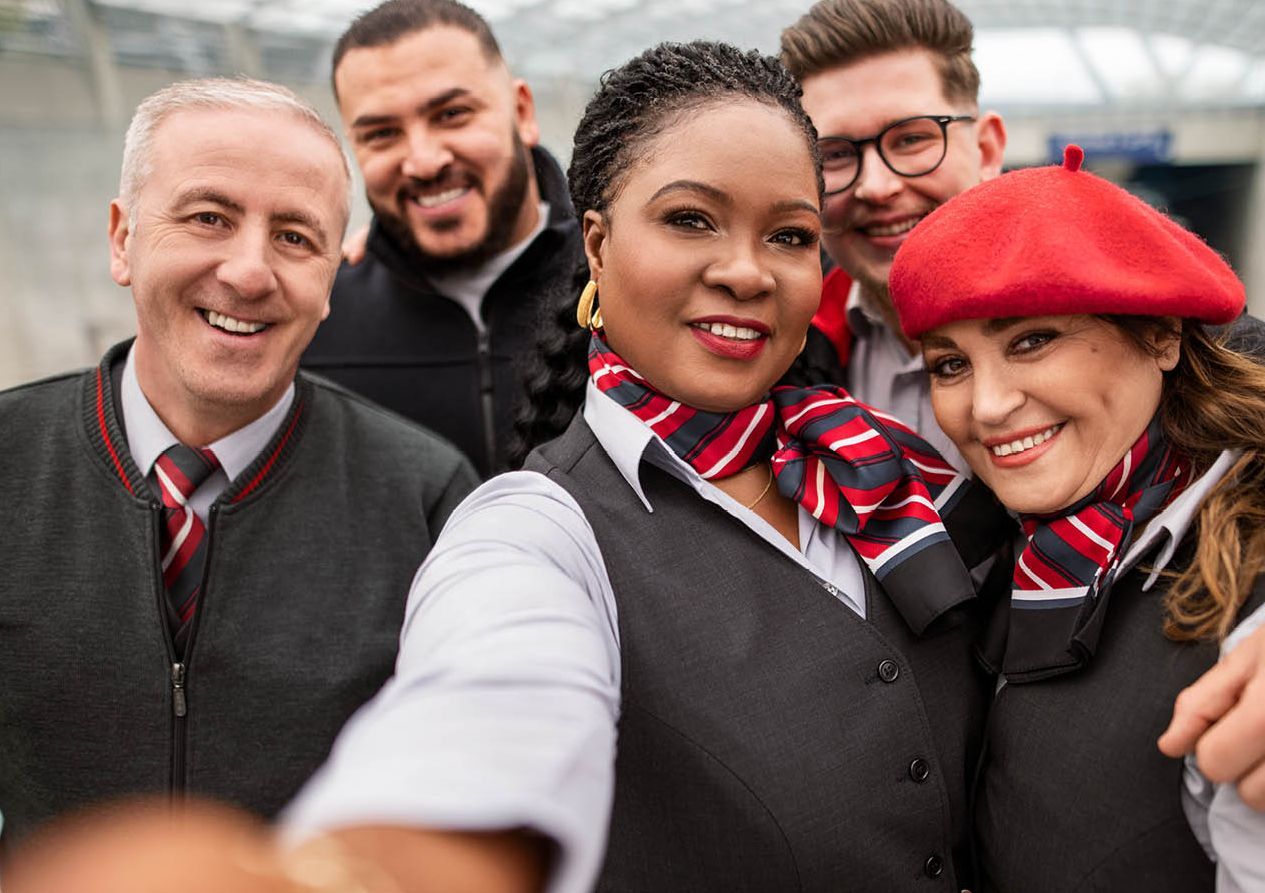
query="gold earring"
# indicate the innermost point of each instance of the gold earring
(585, 315)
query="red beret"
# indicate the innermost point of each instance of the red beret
(1051, 241)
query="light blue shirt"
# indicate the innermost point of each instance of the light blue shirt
(148, 438)
(502, 710)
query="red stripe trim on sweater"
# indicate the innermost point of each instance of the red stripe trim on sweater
(105, 434)
(263, 472)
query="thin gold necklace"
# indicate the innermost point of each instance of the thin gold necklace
(753, 503)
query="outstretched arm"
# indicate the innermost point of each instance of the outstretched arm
(1221, 719)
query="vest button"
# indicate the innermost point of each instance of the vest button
(888, 670)
(919, 770)
(933, 867)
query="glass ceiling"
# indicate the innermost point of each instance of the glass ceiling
(1034, 55)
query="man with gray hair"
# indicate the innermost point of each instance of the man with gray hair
(205, 555)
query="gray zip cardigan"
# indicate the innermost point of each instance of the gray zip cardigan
(310, 554)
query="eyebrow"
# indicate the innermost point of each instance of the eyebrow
(723, 197)
(429, 105)
(211, 196)
(991, 327)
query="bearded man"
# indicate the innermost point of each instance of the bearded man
(472, 225)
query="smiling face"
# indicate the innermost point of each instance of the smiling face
(866, 223)
(706, 259)
(441, 132)
(230, 252)
(1042, 408)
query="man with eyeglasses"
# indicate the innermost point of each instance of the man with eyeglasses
(892, 90)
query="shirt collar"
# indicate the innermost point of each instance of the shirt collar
(867, 323)
(148, 437)
(860, 316)
(1175, 520)
(629, 442)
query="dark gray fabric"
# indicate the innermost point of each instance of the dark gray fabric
(769, 739)
(306, 578)
(1073, 794)
(393, 338)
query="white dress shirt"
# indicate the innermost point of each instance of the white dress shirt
(503, 707)
(148, 438)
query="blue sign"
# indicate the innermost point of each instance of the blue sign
(1143, 148)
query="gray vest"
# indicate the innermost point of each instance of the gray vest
(769, 738)
(1074, 795)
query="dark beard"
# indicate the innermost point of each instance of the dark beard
(504, 206)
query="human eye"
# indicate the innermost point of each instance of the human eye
(377, 135)
(454, 114)
(945, 367)
(836, 153)
(912, 136)
(1030, 341)
(294, 239)
(795, 237)
(209, 218)
(688, 219)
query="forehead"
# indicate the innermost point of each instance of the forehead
(419, 65)
(251, 155)
(716, 144)
(859, 99)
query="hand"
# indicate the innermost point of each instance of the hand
(148, 847)
(355, 244)
(1221, 717)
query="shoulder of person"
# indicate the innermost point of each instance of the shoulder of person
(391, 430)
(41, 395)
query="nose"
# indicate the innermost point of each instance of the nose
(877, 183)
(995, 397)
(248, 269)
(427, 154)
(741, 271)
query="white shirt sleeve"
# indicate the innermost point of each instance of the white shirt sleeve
(502, 709)
(1232, 831)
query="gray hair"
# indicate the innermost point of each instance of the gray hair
(210, 93)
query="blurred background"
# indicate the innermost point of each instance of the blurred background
(1166, 96)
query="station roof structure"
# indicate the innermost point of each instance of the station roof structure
(1034, 55)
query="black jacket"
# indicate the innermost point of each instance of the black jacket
(393, 338)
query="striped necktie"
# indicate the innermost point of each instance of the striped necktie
(180, 471)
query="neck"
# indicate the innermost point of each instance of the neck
(879, 301)
(199, 422)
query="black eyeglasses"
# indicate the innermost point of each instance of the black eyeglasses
(910, 147)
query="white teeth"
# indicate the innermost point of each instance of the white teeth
(891, 229)
(439, 198)
(229, 324)
(1026, 443)
(725, 330)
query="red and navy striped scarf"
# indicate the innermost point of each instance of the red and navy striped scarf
(1064, 574)
(891, 495)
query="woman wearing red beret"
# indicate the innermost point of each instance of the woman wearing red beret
(1062, 323)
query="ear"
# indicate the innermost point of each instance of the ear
(525, 113)
(120, 235)
(990, 135)
(1167, 344)
(595, 230)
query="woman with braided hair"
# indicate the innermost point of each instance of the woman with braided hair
(731, 619)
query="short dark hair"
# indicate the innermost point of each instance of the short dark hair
(388, 22)
(840, 32)
(636, 101)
